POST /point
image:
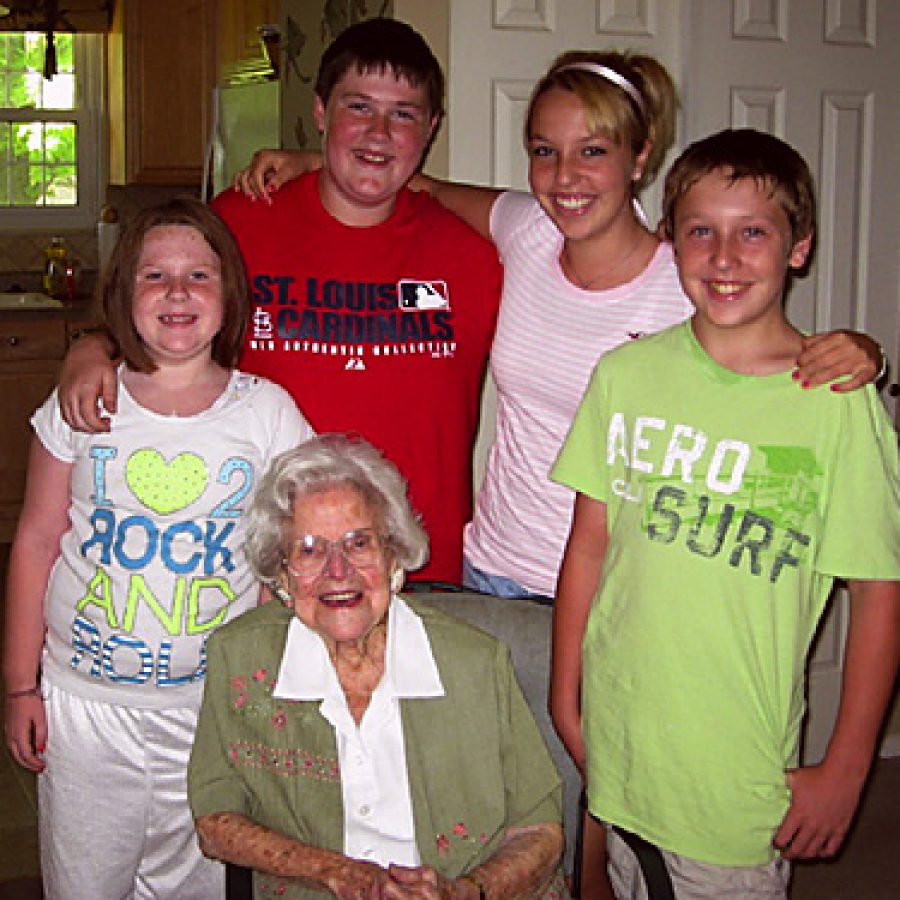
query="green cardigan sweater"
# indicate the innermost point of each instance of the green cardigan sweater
(476, 760)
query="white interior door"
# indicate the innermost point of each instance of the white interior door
(823, 74)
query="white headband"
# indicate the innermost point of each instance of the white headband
(610, 75)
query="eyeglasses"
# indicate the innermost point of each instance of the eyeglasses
(310, 554)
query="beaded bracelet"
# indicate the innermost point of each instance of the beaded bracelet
(27, 692)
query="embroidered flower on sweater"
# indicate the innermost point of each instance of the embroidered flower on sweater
(288, 762)
(253, 694)
(460, 832)
(272, 886)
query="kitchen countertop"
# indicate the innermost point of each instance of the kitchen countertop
(81, 309)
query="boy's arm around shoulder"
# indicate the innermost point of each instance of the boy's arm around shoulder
(849, 355)
(88, 376)
(824, 798)
(471, 202)
(269, 169)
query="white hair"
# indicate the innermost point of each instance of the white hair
(320, 463)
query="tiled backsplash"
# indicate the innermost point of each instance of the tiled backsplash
(22, 255)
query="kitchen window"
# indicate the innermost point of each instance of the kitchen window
(49, 131)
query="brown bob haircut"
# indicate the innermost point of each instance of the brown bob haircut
(117, 288)
(380, 45)
(747, 153)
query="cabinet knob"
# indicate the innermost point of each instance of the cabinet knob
(13, 340)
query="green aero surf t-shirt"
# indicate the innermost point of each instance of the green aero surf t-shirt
(733, 502)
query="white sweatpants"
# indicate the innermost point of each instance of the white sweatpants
(113, 812)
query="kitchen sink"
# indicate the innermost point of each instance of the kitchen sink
(27, 300)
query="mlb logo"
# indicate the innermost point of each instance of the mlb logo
(422, 295)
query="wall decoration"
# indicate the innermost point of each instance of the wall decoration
(309, 27)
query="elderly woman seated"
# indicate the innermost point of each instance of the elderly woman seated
(352, 742)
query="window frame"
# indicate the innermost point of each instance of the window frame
(89, 51)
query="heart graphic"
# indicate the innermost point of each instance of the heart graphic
(165, 487)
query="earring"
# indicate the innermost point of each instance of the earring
(282, 593)
(398, 576)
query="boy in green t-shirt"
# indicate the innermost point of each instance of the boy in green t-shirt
(715, 507)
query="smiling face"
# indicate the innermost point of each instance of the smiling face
(376, 128)
(734, 248)
(342, 602)
(582, 179)
(177, 303)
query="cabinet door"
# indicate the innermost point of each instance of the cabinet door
(30, 355)
(161, 65)
(24, 393)
(240, 50)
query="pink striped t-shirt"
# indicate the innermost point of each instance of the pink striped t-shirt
(549, 336)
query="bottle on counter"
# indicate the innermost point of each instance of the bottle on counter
(55, 264)
(73, 280)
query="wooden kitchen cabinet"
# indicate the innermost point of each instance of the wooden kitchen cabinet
(239, 48)
(161, 68)
(31, 353)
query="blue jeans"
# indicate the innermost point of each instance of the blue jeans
(498, 585)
